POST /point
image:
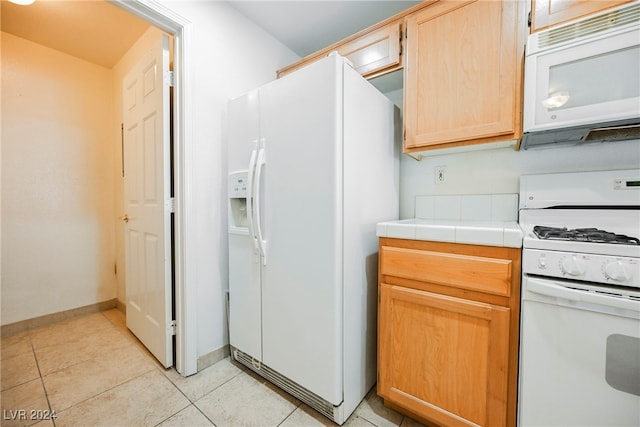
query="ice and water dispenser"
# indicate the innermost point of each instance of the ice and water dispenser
(238, 201)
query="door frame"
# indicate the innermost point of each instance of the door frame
(185, 297)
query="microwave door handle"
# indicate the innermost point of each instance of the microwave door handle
(261, 243)
(250, 197)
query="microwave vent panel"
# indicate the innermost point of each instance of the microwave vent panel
(613, 133)
(591, 26)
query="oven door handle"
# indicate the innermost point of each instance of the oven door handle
(549, 288)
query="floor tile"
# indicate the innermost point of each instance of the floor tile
(96, 372)
(18, 370)
(188, 417)
(305, 416)
(116, 317)
(78, 349)
(205, 381)
(410, 422)
(19, 402)
(356, 421)
(60, 333)
(245, 401)
(144, 401)
(16, 345)
(131, 338)
(82, 381)
(373, 410)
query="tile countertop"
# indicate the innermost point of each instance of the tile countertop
(488, 233)
(485, 219)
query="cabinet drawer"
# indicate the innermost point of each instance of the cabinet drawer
(484, 274)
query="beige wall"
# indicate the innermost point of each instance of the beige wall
(58, 246)
(229, 56)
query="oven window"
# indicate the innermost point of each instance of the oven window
(623, 363)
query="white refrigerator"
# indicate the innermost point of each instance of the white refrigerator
(313, 166)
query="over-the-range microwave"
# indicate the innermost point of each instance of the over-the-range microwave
(582, 80)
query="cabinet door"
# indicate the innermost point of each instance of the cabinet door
(462, 70)
(546, 13)
(375, 52)
(372, 52)
(443, 358)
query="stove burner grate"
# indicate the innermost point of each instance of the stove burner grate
(591, 235)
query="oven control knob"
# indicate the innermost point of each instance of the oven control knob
(542, 263)
(617, 270)
(573, 265)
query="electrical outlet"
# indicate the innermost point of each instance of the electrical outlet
(440, 175)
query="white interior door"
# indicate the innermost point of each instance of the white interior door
(147, 201)
(245, 303)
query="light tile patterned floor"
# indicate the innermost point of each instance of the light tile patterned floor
(92, 371)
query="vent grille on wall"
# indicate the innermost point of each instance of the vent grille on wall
(590, 26)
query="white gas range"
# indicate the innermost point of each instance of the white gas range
(580, 321)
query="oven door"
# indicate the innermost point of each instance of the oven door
(579, 357)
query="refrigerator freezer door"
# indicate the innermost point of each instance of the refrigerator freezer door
(243, 118)
(301, 223)
(245, 315)
(244, 296)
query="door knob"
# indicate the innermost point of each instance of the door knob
(125, 218)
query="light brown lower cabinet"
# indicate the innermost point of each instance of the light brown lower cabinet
(448, 343)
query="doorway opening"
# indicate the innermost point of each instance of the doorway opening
(184, 300)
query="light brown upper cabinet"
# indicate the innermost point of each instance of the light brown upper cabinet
(463, 73)
(546, 13)
(376, 52)
(373, 52)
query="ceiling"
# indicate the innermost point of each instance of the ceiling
(306, 26)
(96, 31)
(102, 32)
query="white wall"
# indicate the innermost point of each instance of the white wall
(57, 188)
(498, 171)
(231, 55)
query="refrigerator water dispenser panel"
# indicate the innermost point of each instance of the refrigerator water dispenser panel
(238, 185)
(238, 199)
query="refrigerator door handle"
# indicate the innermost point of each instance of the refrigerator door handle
(256, 212)
(250, 197)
